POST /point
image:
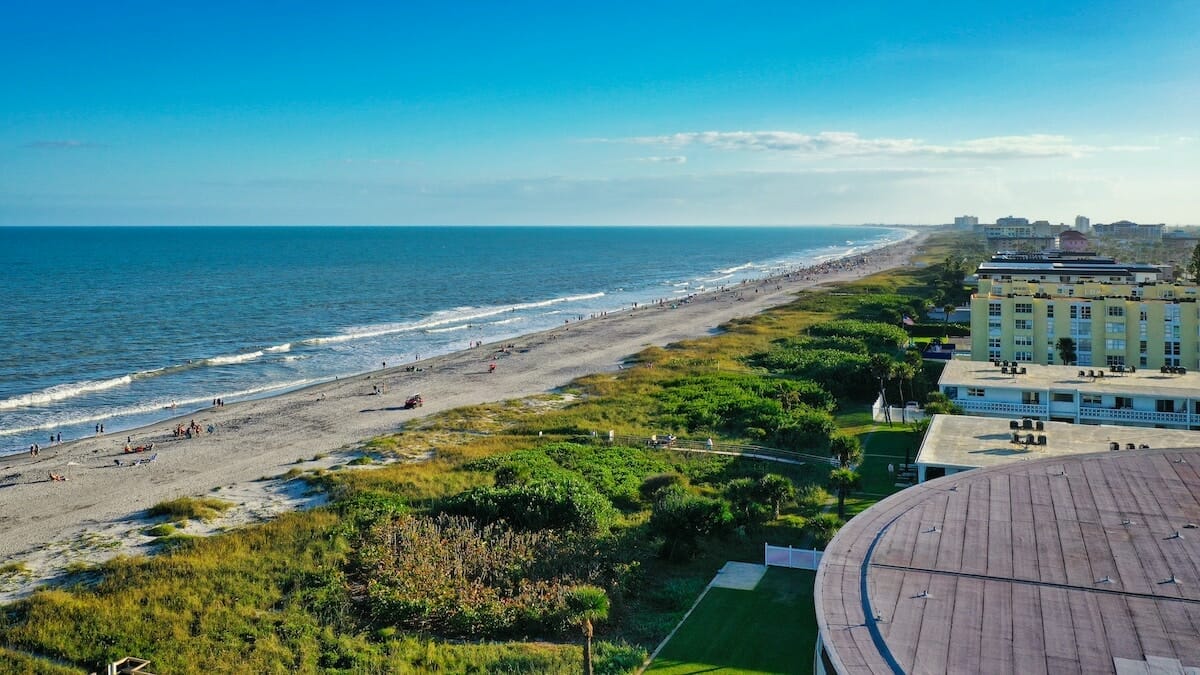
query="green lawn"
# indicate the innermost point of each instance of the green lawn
(772, 629)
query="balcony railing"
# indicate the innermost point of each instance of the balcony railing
(1002, 408)
(1131, 415)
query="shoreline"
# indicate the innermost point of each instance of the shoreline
(125, 415)
(103, 504)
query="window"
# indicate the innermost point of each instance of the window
(1143, 361)
(1114, 345)
(1031, 397)
(1142, 346)
(1171, 348)
(1164, 405)
(951, 392)
(994, 343)
(1023, 324)
(1122, 402)
(1062, 397)
(1023, 308)
(1023, 341)
(993, 309)
(1081, 311)
(1083, 345)
(1090, 399)
(1142, 313)
(1023, 356)
(977, 392)
(1114, 359)
(1116, 310)
(1114, 327)
(1050, 310)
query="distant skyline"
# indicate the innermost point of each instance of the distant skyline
(549, 113)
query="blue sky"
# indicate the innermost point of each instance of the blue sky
(621, 113)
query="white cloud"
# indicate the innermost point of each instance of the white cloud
(670, 159)
(850, 144)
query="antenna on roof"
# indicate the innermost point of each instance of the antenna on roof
(1127, 522)
(1105, 580)
(925, 594)
(1177, 535)
(1173, 580)
(932, 530)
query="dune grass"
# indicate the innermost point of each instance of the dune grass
(279, 596)
(191, 508)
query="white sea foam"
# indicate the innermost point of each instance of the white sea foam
(232, 358)
(449, 329)
(63, 391)
(145, 408)
(440, 319)
(737, 268)
(277, 349)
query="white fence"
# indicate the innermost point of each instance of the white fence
(786, 556)
(904, 415)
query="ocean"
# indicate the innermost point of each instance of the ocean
(112, 325)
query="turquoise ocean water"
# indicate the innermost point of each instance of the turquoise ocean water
(110, 324)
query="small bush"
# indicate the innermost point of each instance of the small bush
(822, 528)
(160, 530)
(191, 508)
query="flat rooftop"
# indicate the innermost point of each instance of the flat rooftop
(1087, 563)
(1146, 381)
(969, 442)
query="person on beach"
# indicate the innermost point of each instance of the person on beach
(56, 477)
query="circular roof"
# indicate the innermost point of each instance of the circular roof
(1082, 564)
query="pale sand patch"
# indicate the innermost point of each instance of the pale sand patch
(99, 511)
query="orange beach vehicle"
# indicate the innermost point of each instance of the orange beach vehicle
(414, 401)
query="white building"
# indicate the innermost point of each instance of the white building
(1083, 224)
(1145, 398)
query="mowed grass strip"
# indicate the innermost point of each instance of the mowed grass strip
(772, 629)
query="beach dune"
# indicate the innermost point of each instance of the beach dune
(266, 437)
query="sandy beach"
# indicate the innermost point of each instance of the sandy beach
(99, 511)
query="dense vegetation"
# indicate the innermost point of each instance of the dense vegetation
(480, 559)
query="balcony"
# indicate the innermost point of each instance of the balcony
(1000, 408)
(1131, 415)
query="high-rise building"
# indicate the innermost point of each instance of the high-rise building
(1083, 224)
(965, 222)
(1117, 314)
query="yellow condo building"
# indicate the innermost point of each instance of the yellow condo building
(1118, 314)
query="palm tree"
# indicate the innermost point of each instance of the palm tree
(843, 481)
(847, 449)
(904, 373)
(883, 369)
(587, 604)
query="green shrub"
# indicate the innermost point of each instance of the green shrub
(160, 530)
(878, 336)
(653, 486)
(683, 520)
(553, 504)
(822, 528)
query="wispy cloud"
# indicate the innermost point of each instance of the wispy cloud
(670, 159)
(68, 144)
(850, 144)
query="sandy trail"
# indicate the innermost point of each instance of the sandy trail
(100, 510)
